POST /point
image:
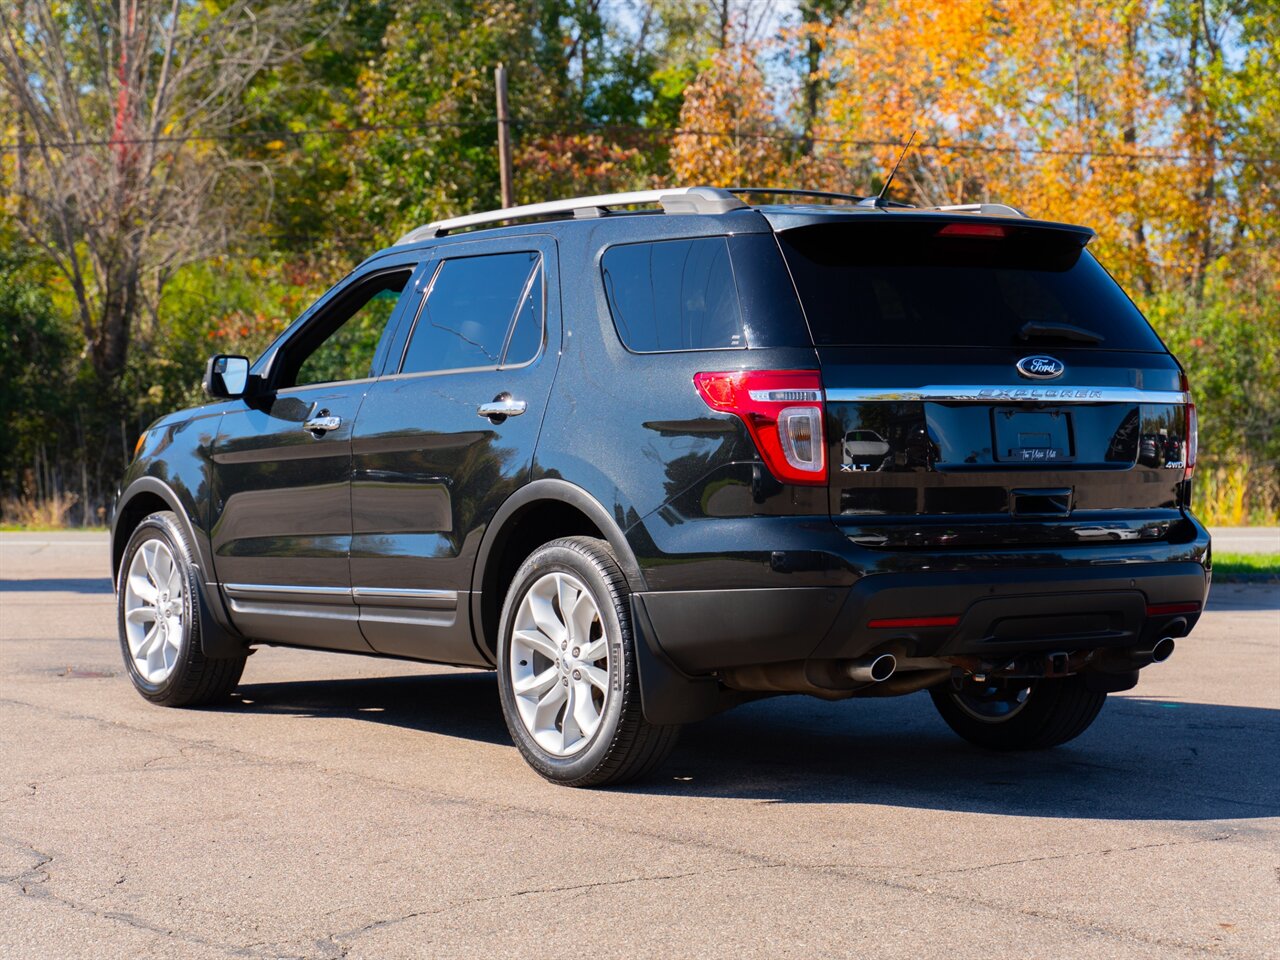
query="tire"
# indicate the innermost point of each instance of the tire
(622, 746)
(1053, 712)
(174, 672)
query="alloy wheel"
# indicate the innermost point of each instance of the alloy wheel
(991, 702)
(559, 664)
(154, 607)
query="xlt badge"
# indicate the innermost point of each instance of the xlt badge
(1040, 367)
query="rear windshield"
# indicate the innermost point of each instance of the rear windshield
(880, 283)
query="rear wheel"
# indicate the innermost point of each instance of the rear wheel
(567, 669)
(158, 600)
(1018, 714)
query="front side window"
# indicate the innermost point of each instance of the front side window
(340, 344)
(673, 295)
(479, 312)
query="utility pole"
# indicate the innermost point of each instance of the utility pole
(504, 137)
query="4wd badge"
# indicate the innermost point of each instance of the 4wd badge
(1040, 367)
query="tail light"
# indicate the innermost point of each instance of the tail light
(1190, 431)
(783, 411)
(901, 623)
(1192, 441)
(991, 231)
(1168, 609)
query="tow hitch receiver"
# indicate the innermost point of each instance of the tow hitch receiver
(1058, 664)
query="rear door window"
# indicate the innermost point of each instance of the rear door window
(526, 335)
(673, 295)
(479, 312)
(905, 284)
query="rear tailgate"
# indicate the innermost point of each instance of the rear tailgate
(990, 388)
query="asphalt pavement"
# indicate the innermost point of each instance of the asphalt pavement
(362, 808)
(1246, 539)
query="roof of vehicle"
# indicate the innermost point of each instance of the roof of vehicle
(812, 207)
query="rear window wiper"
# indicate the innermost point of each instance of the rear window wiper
(1063, 331)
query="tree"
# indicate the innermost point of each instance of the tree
(816, 18)
(729, 134)
(429, 101)
(559, 165)
(37, 357)
(123, 117)
(1157, 122)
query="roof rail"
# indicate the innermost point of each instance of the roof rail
(672, 200)
(985, 209)
(789, 192)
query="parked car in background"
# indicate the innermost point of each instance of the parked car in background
(865, 449)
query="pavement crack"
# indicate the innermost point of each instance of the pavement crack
(350, 936)
(36, 882)
(164, 756)
(333, 945)
(1073, 855)
(34, 874)
(969, 900)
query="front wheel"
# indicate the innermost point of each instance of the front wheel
(158, 606)
(1018, 714)
(567, 669)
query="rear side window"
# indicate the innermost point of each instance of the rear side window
(902, 284)
(673, 295)
(474, 307)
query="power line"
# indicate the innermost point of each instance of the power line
(268, 136)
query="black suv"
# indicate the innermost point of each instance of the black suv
(651, 455)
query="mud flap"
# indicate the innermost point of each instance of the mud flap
(667, 696)
(216, 641)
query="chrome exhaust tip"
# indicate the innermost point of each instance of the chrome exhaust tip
(873, 669)
(1158, 651)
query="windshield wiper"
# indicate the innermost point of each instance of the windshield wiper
(1063, 331)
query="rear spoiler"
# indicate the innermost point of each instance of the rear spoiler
(992, 215)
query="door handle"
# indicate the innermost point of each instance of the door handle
(319, 426)
(501, 407)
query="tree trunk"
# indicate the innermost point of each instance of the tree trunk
(1143, 273)
(812, 81)
(109, 332)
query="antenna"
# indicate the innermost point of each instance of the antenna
(879, 199)
(897, 163)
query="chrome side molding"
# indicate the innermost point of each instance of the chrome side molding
(259, 591)
(393, 596)
(396, 596)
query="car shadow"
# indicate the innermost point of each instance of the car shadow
(101, 585)
(463, 705)
(1143, 759)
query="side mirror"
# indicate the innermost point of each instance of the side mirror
(226, 377)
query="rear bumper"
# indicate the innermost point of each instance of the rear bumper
(1000, 611)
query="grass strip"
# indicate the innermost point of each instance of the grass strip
(1246, 566)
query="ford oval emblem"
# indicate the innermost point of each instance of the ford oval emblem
(1040, 367)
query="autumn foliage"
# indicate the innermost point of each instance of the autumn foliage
(728, 129)
(1155, 122)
